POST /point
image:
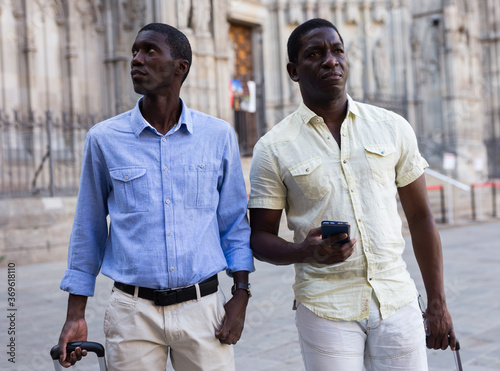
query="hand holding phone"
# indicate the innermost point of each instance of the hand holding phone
(330, 228)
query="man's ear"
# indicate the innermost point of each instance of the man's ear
(182, 66)
(292, 71)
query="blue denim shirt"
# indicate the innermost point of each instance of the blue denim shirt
(176, 204)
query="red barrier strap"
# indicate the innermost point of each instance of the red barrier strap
(435, 187)
(486, 185)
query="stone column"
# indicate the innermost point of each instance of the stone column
(205, 59)
(2, 66)
(365, 23)
(324, 10)
(70, 58)
(408, 83)
(109, 101)
(463, 109)
(282, 54)
(337, 6)
(310, 9)
(221, 55)
(25, 52)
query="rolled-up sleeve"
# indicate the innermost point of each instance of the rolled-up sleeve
(90, 229)
(231, 213)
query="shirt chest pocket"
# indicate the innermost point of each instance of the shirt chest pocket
(381, 158)
(201, 186)
(310, 178)
(131, 189)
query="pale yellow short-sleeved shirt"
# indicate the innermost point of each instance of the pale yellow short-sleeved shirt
(298, 166)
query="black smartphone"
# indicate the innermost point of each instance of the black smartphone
(329, 228)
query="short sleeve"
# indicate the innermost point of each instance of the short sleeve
(267, 190)
(411, 164)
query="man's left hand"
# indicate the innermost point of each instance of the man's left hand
(234, 320)
(440, 327)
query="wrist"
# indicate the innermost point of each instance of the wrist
(241, 287)
(76, 307)
(302, 252)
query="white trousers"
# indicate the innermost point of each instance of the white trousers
(139, 334)
(396, 343)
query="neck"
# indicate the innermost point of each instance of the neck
(161, 112)
(333, 111)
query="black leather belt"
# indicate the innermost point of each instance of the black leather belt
(172, 296)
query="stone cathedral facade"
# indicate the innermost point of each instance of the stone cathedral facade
(436, 62)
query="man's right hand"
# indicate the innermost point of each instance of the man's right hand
(322, 252)
(74, 329)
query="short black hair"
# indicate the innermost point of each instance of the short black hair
(180, 48)
(295, 40)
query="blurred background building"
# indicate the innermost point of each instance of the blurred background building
(65, 63)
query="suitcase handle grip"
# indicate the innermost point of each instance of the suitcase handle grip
(90, 346)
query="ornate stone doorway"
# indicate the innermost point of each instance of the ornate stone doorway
(243, 88)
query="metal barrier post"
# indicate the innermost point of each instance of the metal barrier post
(473, 201)
(443, 207)
(494, 197)
(48, 115)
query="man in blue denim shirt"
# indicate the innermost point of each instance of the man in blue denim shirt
(170, 180)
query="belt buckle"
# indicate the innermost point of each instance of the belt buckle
(164, 298)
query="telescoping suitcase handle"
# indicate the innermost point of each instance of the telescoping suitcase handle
(458, 360)
(89, 346)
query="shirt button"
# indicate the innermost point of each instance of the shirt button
(345, 161)
(167, 202)
(172, 269)
(352, 190)
(165, 168)
(343, 134)
(126, 177)
(170, 234)
(202, 166)
(163, 140)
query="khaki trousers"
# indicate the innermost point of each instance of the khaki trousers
(139, 335)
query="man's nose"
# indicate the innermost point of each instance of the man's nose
(330, 59)
(138, 58)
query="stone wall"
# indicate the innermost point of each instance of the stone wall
(436, 62)
(35, 230)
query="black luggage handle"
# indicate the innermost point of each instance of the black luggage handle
(89, 346)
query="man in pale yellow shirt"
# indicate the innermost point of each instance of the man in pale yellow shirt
(337, 159)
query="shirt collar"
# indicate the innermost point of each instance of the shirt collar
(306, 114)
(139, 123)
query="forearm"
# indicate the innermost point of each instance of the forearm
(76, 307)
(428, 253)
(425, 237)
(275, 250)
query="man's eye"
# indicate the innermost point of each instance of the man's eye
(151, 50)
(134, 53)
